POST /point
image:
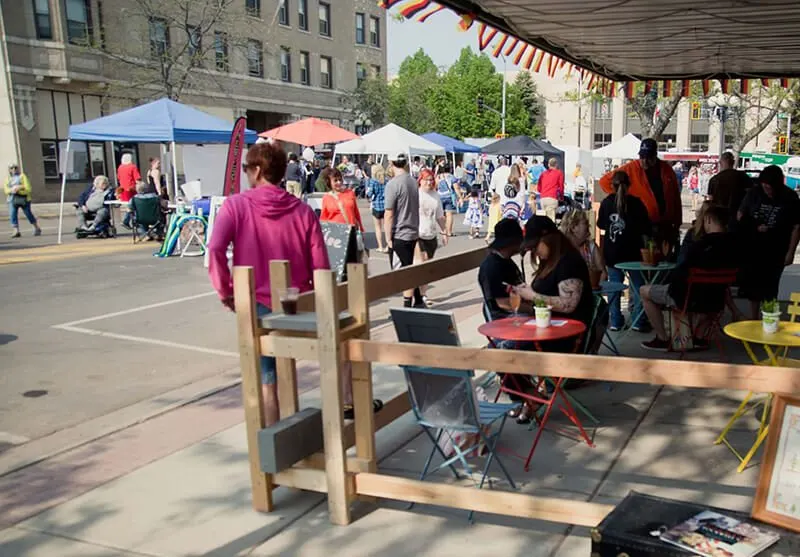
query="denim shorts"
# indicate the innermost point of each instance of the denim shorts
(268, 373)
(447, 204)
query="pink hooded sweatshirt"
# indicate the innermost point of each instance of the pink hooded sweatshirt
(266, 223)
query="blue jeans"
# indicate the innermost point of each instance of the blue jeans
(13, 212)
(616, 319)
(268, 367)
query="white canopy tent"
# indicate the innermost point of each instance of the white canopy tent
(625, 148)
(388, 140)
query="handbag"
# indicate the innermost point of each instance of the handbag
(18, 200)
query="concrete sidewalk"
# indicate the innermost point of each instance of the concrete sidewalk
(196, 501)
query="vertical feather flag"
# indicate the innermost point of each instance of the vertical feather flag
(529, 59)
(424, 17)
(744, 86)
(510, 48)
(485, 36)
(499, 46)
(520, 54)
(412, 8)
(629, 89)
(539, 58)
(706, 87)
(686, 88)
(667, 89)
(466, 22)
(725, 86)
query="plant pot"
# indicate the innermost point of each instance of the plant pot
(647, 256)
(656, 257)
(543, 316)
(770, 321)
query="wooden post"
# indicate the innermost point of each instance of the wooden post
(244, 295)
(362, 371)
(330, 368)
(279, 279)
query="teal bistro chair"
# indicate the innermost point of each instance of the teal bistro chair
(444, 404)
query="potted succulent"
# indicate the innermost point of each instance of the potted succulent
(543, 313)
(648, 253)
(770, 316)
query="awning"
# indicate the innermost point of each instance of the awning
(451, 145)
(642, 40)
(389, 140)
(309, 132)
(522, 145)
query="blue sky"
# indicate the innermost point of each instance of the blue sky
(439, 37)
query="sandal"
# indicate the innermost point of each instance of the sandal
(349, 413)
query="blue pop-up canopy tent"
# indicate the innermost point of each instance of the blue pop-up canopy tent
(451, 145)
(161, 121)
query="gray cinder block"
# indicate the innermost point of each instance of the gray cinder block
(290, 440)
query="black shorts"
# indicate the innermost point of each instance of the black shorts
(378, 214)
(428, 247)
(403, 250)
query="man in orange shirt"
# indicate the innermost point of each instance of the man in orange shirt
(654, 182)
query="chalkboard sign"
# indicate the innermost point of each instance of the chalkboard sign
(340, 239)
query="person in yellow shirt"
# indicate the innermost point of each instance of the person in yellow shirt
(17, 188)
(495, 212)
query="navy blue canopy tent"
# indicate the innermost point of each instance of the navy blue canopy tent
(451, 145)
(161, 121)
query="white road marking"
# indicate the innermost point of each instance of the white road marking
(133, 310)
(144, 340)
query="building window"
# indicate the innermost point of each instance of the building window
(41, 17)
(253, 7)
(360, 31)
(602, 110)
(283, 12)
(255, 58)
(729, 139)
(699, 143)
(325, 75)
(78, 21)
(324, 19)
(159, 37)
(50, 159)
(101, 25)
(195, 46)
(221, 51)
(286, 64)
(601, 140)
(305, 75)
(361, 73)
(668, 140)
(376, 71)
(375, 31)
(302, 14)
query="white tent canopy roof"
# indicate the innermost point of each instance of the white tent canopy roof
(389, 140)
(625, 148)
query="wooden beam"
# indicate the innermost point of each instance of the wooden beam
(392, 409)
(607, 368)
(504, 503)
(303, 478)
(244, 296)
(330, 368)
(287, 348)
(286, 368)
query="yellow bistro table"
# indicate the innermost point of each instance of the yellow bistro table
(776, 347)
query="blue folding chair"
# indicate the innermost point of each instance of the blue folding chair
(443, 400)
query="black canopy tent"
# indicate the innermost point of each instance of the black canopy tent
(640, 40)
(523, 145)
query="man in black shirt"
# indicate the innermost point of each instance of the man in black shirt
(714, 250)
(728, 187)
(498, 270)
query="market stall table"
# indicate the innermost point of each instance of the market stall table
(651, 274)
(524, 329)
(752, 332)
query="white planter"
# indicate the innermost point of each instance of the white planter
(543, 316)
(770, 321)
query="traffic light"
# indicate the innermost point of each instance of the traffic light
(697, 109)
(480, 104)
(783, 145)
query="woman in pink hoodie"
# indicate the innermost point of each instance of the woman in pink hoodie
(265, 223)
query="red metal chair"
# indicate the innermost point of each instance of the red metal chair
(708, 328)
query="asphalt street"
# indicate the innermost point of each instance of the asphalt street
(95, 327)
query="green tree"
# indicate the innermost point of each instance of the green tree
(411, 92)
(531, 101)
(370, 100)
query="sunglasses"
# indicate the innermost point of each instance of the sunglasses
(249, 167)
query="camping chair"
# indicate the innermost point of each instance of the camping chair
(444, 400)
(684, 317)
(148, 215)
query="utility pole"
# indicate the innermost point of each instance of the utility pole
(580, 118)
(503, 110)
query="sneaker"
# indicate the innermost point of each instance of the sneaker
(16, 234)
(642, 328)
(427, 302)
(656, 345)
(37, 232)
(614, 328)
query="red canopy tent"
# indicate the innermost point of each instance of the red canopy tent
(309, 132)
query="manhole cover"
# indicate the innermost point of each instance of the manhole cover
(34, 394)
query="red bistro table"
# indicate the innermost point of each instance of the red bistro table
(524, 329)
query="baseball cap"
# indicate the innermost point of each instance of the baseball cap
(507, 233)
(536, 227)
(398, 156)
(648, 148)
